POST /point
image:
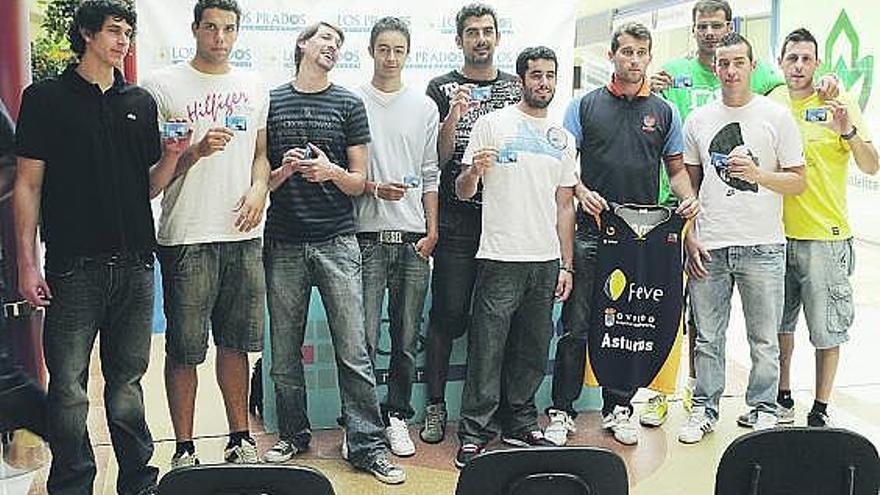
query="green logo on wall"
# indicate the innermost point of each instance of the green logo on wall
(849, 72)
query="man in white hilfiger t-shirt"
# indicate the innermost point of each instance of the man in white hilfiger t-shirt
(210, 231)
(397, 217)
(527, 167)
(745, 153)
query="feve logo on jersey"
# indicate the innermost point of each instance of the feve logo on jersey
(615, 284)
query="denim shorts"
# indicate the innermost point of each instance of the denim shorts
(217, 285)
(817, 279)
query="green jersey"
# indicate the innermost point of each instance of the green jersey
(694, 85)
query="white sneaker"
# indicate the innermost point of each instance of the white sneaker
(765, 421)
(697, 426)
(184, 460)
(397, 435)
(620, 422)
(560, 427)
(343, 449)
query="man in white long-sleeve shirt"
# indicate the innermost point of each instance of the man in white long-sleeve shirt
(397, 217)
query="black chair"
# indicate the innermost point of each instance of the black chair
(545, 471)
(239, 479)
(801, 461)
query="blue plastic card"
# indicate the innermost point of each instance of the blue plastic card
(236, 123)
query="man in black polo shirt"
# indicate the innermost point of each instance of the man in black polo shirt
(622, 132)
(85, 143)
(317, 142)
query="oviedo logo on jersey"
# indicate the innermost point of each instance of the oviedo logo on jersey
(630, 307)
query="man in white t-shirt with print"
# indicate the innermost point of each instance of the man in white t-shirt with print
(210, 231)
(744, 152)
(527, 167)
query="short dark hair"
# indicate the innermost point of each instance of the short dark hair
(709, 6)
(533, 53)
(732, 39)
(90, 17)
(800, 35)
(473, 10)
(307, 34)
(228, 5)
(389, 24)
(635, 29)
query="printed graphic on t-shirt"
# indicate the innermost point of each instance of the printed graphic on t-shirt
(724, 141)
(635, 328)
(529, 139)
(216, 107)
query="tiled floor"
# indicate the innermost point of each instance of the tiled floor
(659, 465)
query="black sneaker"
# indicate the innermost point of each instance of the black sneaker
(819, 419)
(466, 453)
(386, 472)
(527, 439)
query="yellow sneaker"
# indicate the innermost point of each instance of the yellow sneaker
(654, 414)
(687, 396)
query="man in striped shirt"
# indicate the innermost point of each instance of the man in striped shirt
(317, 141)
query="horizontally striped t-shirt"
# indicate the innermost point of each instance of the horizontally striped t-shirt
(332, 120)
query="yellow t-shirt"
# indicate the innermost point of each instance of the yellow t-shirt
(820, 213)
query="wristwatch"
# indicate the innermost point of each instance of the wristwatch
(849, 135)
(565, 268)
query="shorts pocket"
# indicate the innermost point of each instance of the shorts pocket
(840, 307)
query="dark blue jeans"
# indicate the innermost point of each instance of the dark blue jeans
(507, 347)
(334, 266)
(571, 349)
(113, 295)
(401, 269)
(452, 284)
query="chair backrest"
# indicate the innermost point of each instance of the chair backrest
(545, 471)
(239, 479)
(802, 461)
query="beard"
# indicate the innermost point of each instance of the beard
(534, 102)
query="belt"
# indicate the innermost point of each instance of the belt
(390, 236)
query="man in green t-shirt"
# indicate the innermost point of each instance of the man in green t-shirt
(688, 83)
(819, 257)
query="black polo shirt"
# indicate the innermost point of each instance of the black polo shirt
(622, 141)
(97, 148)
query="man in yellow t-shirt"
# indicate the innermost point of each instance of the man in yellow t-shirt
(819, 252)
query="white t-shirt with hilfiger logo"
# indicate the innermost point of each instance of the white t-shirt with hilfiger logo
(199, 205)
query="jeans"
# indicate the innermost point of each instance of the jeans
(817, 279)
(507, 347)
(213, 285)
(571, 348)
(759, 274)
(401, 269)
(452, 284)
(113, 294)
(334, 266)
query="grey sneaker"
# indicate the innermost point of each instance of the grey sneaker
(748, 419)
(435, 423)
(386, 472)
(243, 453)
(184, 460)
(282, 451)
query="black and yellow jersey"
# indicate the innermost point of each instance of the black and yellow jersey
(636, 320)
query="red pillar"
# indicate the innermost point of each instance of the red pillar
(15, 73)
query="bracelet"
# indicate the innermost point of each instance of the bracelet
(376, 190)
(849, 135)
(568, 269)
